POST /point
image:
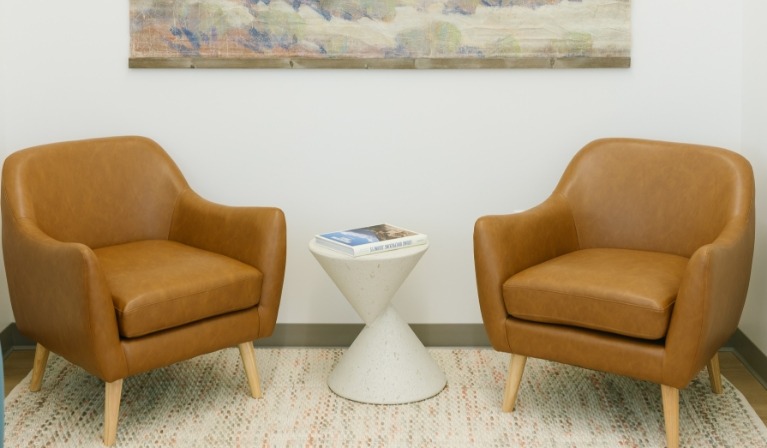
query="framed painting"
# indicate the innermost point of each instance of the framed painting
(380, 33)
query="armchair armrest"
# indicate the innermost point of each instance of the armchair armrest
(507, 244)
(61, 299)
(253, 235)
(710, 300)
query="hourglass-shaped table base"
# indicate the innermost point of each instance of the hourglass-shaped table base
(386, 363)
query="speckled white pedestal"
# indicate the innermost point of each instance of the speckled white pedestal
(387, 363)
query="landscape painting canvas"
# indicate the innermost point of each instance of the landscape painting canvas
(380, 33)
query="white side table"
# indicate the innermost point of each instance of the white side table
(386, 363)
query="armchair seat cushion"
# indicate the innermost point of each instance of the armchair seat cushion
(160, 284)
(620, 291)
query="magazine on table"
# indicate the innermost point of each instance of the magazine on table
(371, 239)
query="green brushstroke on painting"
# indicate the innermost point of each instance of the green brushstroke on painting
(506, 46)
(575, 44)
(382, 10)
(437, 39)
(281, 25)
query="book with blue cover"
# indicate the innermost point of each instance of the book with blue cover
(371, 239)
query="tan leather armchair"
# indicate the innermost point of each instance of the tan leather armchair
(638, 264)
(115, 264)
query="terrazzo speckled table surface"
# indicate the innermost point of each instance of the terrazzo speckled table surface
(386, 363)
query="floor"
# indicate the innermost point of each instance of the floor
(19, 363)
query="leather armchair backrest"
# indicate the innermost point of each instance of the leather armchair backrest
(97, 192)
(659, 196)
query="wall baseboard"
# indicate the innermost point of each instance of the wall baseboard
(750, 355)
(432, 335)
(342, 335)
(319, 335)
(11, 340)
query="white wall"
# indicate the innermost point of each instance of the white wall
(429, 150)
(754, 146)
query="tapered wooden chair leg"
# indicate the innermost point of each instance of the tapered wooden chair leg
(38, 368)
(111, 411)
(715, 375)
(516, 368)
(247, 353)
(671, 414)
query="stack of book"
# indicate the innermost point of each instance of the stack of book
(370, 240)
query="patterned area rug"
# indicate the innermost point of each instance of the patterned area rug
(204, 402)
